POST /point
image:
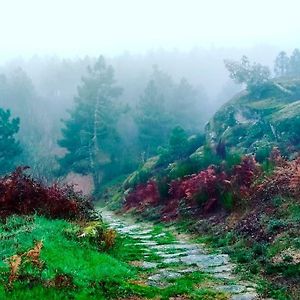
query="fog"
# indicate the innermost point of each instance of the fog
(46, 47)
(76, 28)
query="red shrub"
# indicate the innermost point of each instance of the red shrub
(244, 176)
(20, 194)
(284, 181)
(198, 190)
(276, 158)
(209, 188)
(246, 172)
(143, 195)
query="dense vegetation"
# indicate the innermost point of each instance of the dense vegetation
(236, 183)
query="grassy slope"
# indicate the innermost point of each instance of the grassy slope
(76, 268)
(62, 254)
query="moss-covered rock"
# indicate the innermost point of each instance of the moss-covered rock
(142, 174)
(255, 125)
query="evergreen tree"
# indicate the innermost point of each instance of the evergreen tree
(281, 64)
(294, 65)
(164, 105)
(18, 94)
(185, 107)
(255, 75)
(9, 147)
(153, 120)
(90, 135)
(178, 142)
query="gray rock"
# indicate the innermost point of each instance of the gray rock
(245, 296)
(219, 269)
(148, 265)
(173, 260)
(176, 246)
(224, 275)
(164, 275)
(232, 289)
(146, 243)
(206, 261)
(140, 236)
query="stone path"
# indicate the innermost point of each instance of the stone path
(179, 257)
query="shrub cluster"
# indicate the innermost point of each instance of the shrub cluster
(205, 191)
(21, 194)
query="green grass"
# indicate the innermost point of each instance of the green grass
(94, 273)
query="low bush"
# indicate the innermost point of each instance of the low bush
(22, 195)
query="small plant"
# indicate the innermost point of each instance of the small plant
(109, 238)
(32, 256)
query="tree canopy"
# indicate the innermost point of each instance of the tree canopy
(253, 75)
(9, 146)
(90, 135)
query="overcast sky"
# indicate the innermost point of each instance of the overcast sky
(80, 27)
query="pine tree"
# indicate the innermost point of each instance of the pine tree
(294, 65)
(185, 108)
(90, 135)
(153, 121)
(9, 147)
(255, 75)
(281, 64)
(164, 105)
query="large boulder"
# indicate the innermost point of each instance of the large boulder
(252, 125)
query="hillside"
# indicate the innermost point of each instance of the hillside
(235, 202)
(253, 125)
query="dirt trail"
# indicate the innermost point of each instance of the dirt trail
(179, 256)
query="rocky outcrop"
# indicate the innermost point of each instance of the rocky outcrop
(256, 125)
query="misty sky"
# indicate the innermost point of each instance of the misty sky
(80, 27)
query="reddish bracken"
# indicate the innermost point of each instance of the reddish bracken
(200, 190)
(21, 194)
(244, 176)
(245, 173)
(205, 191)
(143, 195)
(284, 181)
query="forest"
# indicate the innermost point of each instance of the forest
(168, 174)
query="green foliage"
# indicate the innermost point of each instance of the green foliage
(228, 200)
(281, 64)
(255, 76)
(9, 147)
(178, 142)
(294, 64)
(181, 169)
(204, 157)
(90, 135)
(163, 106)
(153, 120)
(63, 253)
(179, 146)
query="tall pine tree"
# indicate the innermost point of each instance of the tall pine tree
(154, 122)
(90, 135)
(9, 147)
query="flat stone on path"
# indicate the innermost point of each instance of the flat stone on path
(205, 261)
(164, 275)
(219, 269)
(245, 296)
(232, 289)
